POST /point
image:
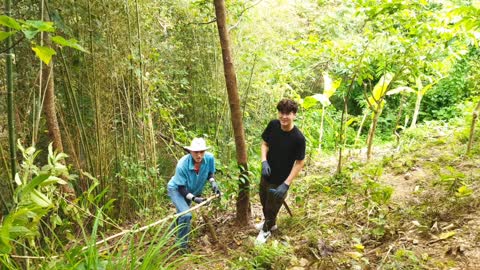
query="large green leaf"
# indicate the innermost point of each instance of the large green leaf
(40, 199)
(41, 26)
(329, 86)
(309, 102)
(323, 99)
(34, 183)
(72, 43)
(9, 22)
(381, 87)
(400, 90)
(5, 35)
(30, 34)
(44, 53)
(53, 180)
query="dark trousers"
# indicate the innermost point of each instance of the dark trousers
(270, 204)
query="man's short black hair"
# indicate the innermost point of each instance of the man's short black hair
(287, 106)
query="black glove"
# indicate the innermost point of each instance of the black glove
(266, 171)
(215, 188)
(198, 199)
(280, 192)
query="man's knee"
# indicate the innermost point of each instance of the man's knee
(185, 218)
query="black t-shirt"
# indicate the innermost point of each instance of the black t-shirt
(283, 149)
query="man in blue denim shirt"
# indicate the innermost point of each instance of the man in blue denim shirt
(192, 172)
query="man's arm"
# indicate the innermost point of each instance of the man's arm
(297, 167)
(264, 151)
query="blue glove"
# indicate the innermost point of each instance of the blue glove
(215, 188)
(266, 171)
(280, 192)
(198, 199)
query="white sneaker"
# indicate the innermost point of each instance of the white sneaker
(262, 237)
(259, 226)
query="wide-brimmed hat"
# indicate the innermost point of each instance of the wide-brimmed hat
(197, 144)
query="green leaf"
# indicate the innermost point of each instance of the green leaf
(9, 22)
(20, 231)
(309, 102)
(329, 86)
(44, 53)
(40, 199)
(53, 180)
(446, 235)
(381, 87)
(72, 43)
(5, 35)
(34, 183)
(400, 89)
(30, 34)
(41, 26)
(323, 99)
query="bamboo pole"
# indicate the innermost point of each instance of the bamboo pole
(132, 231)
(154, 223)
(10, 101)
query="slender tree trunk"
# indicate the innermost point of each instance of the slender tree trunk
(342, 125)
(49, 107)
(50, 110)
(371, 133)
(472, 127)
(359, 131)
(417, 110)
(320, 138)
(399, 114)
(243, 202)
(10, 104)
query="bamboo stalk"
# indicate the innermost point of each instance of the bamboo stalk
(73, 101)
(154, 223)
(10, 99)
(132, 231)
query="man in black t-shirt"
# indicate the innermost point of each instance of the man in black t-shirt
(282, 153)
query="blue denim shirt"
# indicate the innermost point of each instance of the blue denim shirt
(185, 174)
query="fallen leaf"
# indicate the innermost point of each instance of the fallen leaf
(446, 235)
(354, 255)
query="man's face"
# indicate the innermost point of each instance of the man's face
(197, 155)
(286, 119)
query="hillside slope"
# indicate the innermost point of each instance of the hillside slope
(415, 206)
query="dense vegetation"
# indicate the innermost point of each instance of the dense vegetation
(128, 82)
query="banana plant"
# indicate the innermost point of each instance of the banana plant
(376, 101)
(329, 88)
(32, 198)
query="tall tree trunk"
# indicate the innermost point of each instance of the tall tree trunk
(50, 111)
(243, 201)
(49, 107)
(10, 104)
(472, 127)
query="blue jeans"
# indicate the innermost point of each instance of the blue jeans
(181, 204)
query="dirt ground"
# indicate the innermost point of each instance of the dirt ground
(447, 242)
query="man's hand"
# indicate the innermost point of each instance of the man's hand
(215, 188)
(266, 171)
(198, 199)
(280, 192)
